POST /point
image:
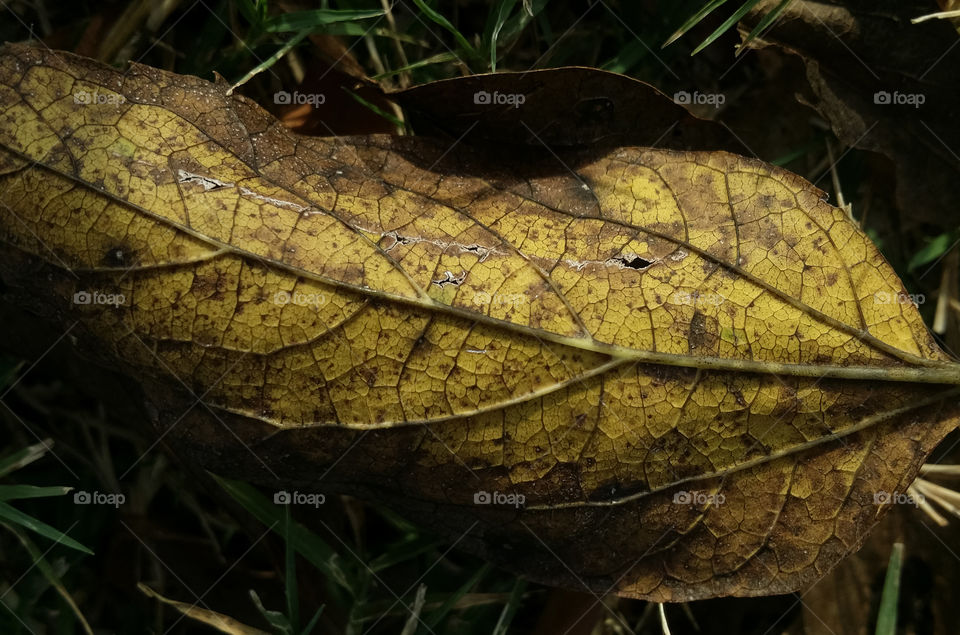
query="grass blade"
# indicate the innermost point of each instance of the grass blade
(253, 12)
(17, 517)
(437, 616)
(223, 623)
(270, 61)
(275, 619)
(510, 608)
(733, 19)
(518, 23)
(406, 549)
(934, 249)
(767, 20)
(495, 24)
(17, 492)
(24, 457)
(887, 618)
(9, 368)
(309, 545)
(445, 23)
(377, 110)
(359, 30)
(44, 567)
(290, 572)
(313, 622)
(706, 10)
(439, 58)
(515, 25)
(316, 19)
(413, 620)
(783, 160)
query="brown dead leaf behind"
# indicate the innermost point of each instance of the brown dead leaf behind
(560, 108)
(869, 67)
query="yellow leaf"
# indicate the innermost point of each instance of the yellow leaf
(670, 375)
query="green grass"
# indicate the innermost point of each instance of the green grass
(887, 618)
(18, 523)
(712, 5)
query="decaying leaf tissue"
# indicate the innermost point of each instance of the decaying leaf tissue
(670, 374)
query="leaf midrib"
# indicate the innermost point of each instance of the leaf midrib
(930, 370)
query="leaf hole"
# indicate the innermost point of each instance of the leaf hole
(632, 262)
(483, 252)
(206, 182)
(449, 278)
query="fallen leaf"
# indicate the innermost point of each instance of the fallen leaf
(884, 85)
(670, 375)
(561, 107)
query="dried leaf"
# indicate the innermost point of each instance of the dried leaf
(561, 107)
(669, 375)
(885, 85)
(223, 623)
